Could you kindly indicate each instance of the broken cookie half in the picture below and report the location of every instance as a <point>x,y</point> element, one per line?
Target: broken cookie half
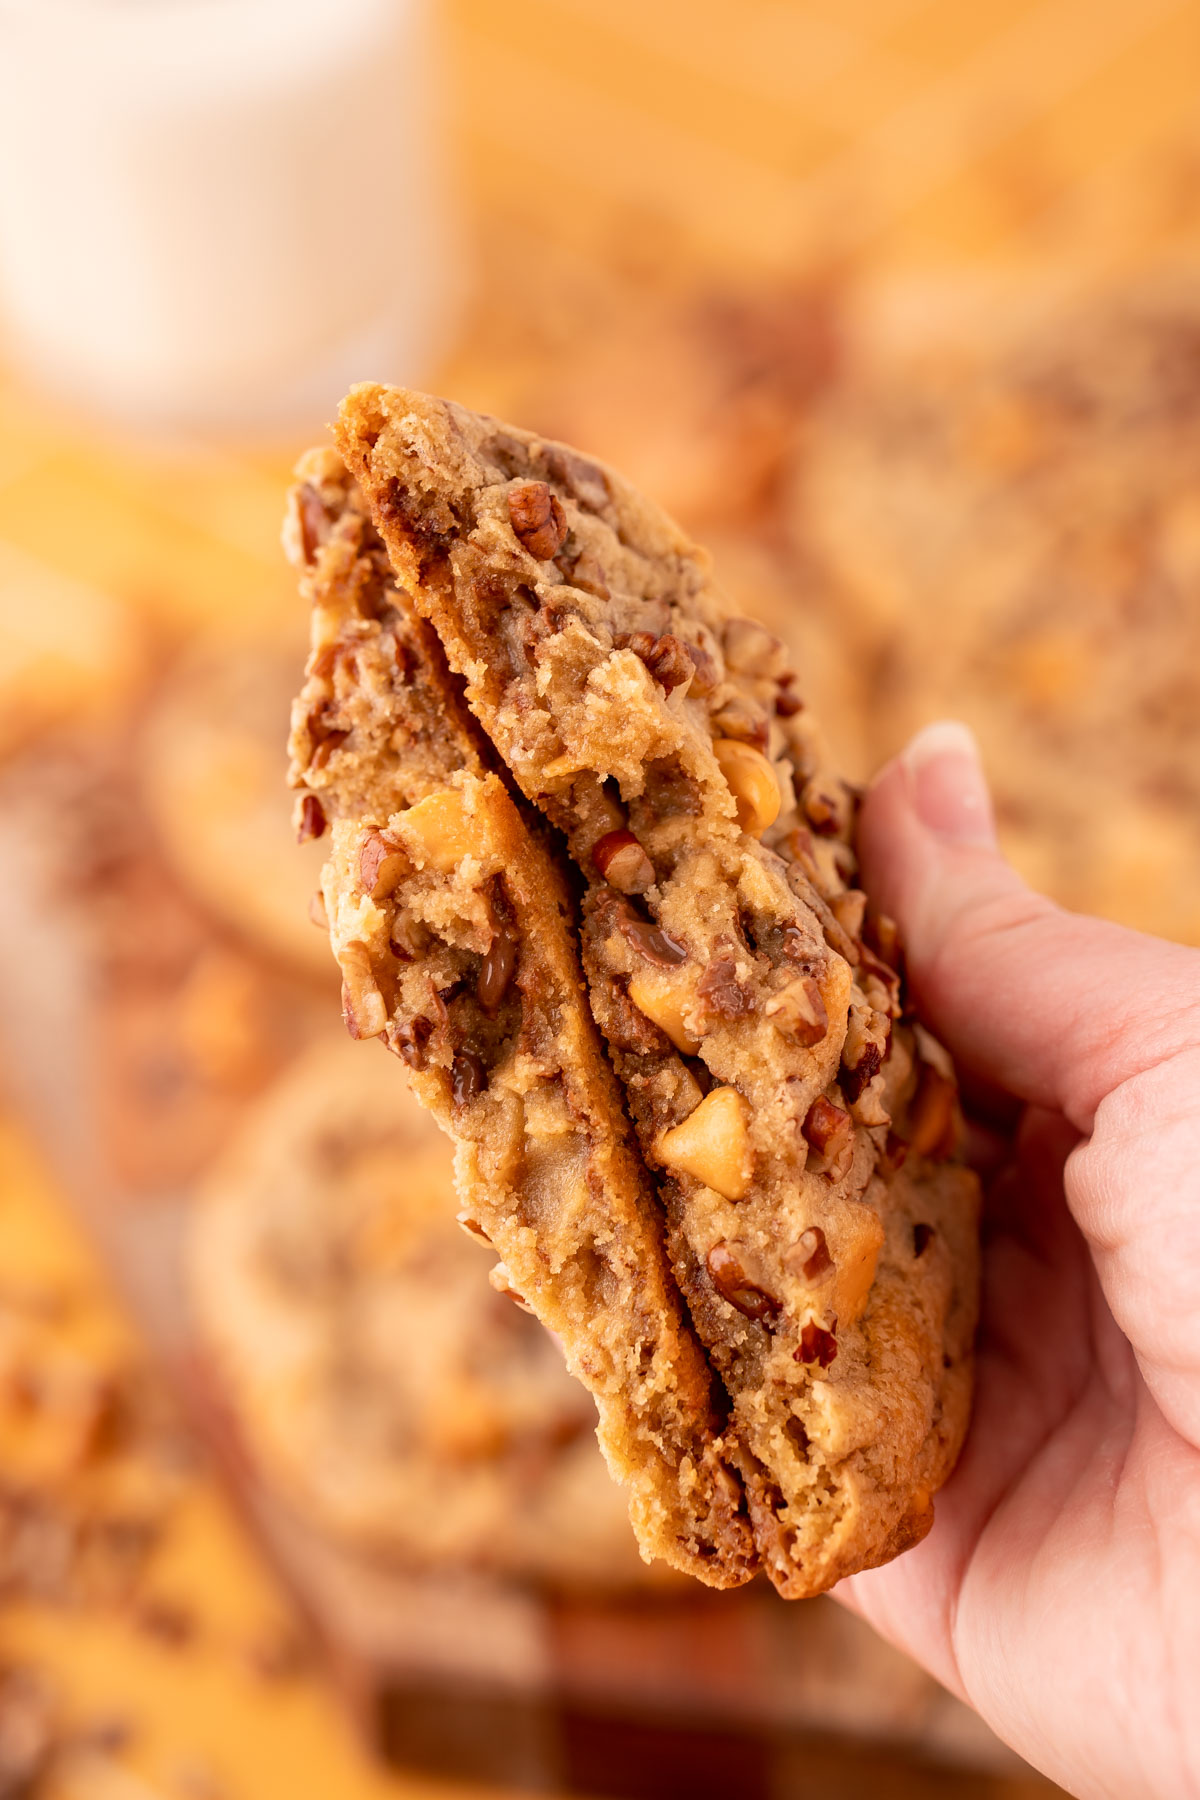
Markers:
<point>798,1129</point>
<point>450,922</point>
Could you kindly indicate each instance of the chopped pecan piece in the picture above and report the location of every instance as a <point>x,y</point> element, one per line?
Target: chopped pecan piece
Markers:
<point>409,1038</point>
<point>832,1134</point>
<point>849,910</point>
<point>722,992</point>
<point>891,1157</point>
<point>314,521</point>
<point>733,1284</point>
<point>798,1011</point>
<point>707,675</point>
<point>623,863</point>
<point>744,720</point>
<point>809,1255</point>
<point>667,657</point>
<point>538,519</point>
<point>326,734</point>
<point>882,935</point>
<point>826,806</point>
<point>750,649</point>
<point>584,479</point>
<point>500,1279</point>
<point>381,864</point>
<point>586,572</point>
<point>868,1034</point>
<point>816,1344</point>
<point>310,819</point>
<point>362,1003</point>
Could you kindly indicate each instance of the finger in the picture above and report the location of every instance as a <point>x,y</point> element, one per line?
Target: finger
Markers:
<point>1031,1366</point>
<point>1055,1008</point>
<point>1076,1015</point>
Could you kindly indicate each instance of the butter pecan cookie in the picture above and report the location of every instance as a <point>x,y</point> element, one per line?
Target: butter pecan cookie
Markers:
<point>1004,511</point>
<point>208,759</point>
<point>450,922</point>
<point>383,1389</point>
<point>801,1129</point>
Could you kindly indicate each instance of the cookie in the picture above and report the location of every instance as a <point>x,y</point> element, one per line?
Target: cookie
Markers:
<point>748,1000</point>
<point>166,1025</point>
<point>451,925</point>
<point>385,1390</point>
<point>209,765</point>
<point>1006,516</point>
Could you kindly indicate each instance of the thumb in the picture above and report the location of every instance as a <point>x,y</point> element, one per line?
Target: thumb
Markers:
<point>1072,1014</point>
<point>1053,1007</point>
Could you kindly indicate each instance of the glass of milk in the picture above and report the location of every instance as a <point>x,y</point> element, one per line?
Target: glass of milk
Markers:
<point>217,214</point>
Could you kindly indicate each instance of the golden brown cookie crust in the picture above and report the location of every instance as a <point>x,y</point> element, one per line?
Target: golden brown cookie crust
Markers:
<point>751,1012</point>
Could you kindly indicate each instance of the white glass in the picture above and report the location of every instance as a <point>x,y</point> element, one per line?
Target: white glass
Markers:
<point>220,213</point>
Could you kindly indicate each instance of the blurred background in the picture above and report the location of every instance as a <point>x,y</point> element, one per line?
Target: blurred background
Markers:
<point>895,304</point>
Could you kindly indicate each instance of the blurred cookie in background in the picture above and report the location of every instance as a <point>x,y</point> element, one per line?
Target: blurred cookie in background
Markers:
<point>213,761</point>
<point>1005,507</point>
<point>378,1384</point>
<point>69,650</point>
<point>152,1024</point>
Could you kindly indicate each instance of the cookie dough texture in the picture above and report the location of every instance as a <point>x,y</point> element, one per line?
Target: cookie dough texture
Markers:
<point>799,1130</point>
<point>386,1391</point>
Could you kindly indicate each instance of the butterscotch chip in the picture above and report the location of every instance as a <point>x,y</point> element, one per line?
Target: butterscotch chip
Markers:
<point>451,925</point>
<point>741,959</point>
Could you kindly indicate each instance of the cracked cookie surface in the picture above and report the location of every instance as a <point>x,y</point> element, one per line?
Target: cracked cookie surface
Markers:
<point>801,1128</point>
<point>451,925</point>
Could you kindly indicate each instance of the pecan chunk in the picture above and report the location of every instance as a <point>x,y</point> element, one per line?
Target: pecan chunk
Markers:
<point>310,819</point>
<point>623,863</point>
<point>538,519</point>
<point>381,864</point>
<point>667,657</point>
<point>314,520</point>
<point>830,1131</point>
<point>798,1011</point>
<point>809,1255</point>
<point>722,992</point>
<point>733,1284</point>
<point>409,1038</point>
<point>817,1345</point>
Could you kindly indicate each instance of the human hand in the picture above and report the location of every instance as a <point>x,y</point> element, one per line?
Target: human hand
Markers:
<point>1059,1590</point>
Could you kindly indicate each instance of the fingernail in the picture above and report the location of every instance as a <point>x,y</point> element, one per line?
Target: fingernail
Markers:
<point>949,790</point>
